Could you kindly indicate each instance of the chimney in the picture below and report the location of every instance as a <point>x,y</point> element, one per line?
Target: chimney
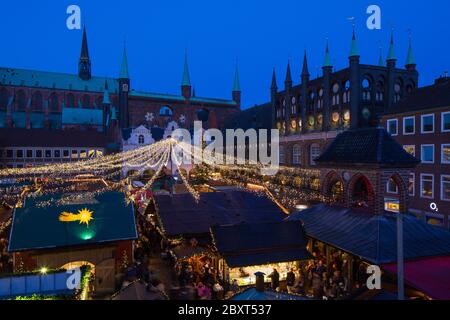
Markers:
<point>260,285</point>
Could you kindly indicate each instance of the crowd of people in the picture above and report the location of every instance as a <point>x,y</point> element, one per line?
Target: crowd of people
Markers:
<point>204,281</point>
<point>315,279</point>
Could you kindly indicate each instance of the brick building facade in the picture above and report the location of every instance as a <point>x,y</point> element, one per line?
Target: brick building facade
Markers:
<point>55,102</point>
<point>421,124</point>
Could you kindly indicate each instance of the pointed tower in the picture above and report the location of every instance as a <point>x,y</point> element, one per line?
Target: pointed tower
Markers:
<point>124,89</point>
<point>106,104</point>
<point>355,82</point>
<point>327,70</point>
<point>84,65</point>
<point>273,97</point>
<point>124,65</point>
<point>305,71</point>
<point>410,60</point>
<point>327,61</point>
<point>304,92</point>
<point>391,74</point>
<point>236,94</point>
<point>391,54</point>
<point>380,58</point>
<point>274,86</point>
<point>186,82</point>
<point>288,81</point>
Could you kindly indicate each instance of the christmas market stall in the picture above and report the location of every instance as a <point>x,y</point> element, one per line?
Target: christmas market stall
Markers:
<point>185,223</point>
<point>246,249</point>
<point>70,230</point>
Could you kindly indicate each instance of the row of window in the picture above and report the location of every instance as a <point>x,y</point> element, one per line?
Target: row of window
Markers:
<point>50,153</point>
<point>314,152</point>
<point>427,124</point>
<point>37,101</point>
<point>427,153</point>
<point>426,186</point>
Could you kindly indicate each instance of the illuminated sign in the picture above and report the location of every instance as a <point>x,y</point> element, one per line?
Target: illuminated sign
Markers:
<point>83,216</point>
<point>392,206</point>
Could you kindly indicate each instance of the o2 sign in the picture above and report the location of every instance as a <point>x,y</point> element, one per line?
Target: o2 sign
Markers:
<point>374,20</point>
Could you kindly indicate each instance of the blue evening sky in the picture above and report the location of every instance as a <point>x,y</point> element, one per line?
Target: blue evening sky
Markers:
<point>263,34</point>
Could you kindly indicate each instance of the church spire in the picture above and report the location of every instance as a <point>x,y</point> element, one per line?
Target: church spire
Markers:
<point>327,61</point>
<point>106,99</point>
<point>84,65</point>
<point>186,82</point>
<point>237,84</point>
<point>288,81</point>
<point>380,58</point>
<point>274,85</point>
<point>410,60</point>
<point>354,52</point>
<point>186,78</point>
<point>305,71</point>
<point>391,53</point>
<point>124,66</point>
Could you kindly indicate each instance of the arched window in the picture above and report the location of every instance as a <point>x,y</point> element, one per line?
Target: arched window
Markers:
<point>54,102</point>
<point>37,101</point>
<point>86,101</point>
<point>166,111</point>
<point>398,91</point>
<point>314,152</point>
<point>380,92</point>
<point>70,100</point>
<point>346,95</point>
<point>21,100</point>
<point>320,100</point>
<point>335,97</point>
<point>367,88</point>
<point>4,97</point>
<point>141,139</point>
<point>293,105</point>
<point>297,155</point>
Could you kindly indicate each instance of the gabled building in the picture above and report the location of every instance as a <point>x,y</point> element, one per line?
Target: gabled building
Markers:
<point>311,113</point>
<point>56,102</point>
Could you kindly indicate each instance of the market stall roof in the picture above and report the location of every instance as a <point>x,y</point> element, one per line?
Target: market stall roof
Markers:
<point>373,237</point>
<point>430,276</point>
<point>38,226</point>
<point>254,244</point>
<point>180,214</point>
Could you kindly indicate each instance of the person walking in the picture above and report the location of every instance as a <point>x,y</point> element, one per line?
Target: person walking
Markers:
<point>275,277</point>
<point>290,281</point>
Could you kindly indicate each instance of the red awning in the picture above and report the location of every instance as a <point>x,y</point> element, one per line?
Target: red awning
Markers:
<point>430,276</point>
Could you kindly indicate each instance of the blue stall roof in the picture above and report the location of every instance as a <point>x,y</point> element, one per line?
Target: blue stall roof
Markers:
<point>243,245</point>
<point>373,237</point>
<point>39,227</point>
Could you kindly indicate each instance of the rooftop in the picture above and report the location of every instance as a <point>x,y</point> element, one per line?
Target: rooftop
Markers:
<point>373,237</point>
<point>244,245</point>
<point>425,98</point>
<point>369,146</point>
<point>39,227</point>
<point>180,214</point>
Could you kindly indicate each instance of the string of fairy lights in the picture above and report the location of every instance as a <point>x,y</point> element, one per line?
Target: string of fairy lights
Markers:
<point>290,186</point>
